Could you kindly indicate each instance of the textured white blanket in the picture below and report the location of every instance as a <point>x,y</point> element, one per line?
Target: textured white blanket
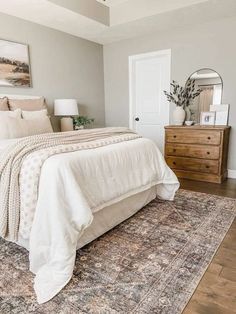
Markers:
<point>72,187</point>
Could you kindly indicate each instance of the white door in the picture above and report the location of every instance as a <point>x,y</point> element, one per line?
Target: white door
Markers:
<point>149,76</point>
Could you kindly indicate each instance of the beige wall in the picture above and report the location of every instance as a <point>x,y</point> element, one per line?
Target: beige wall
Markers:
<point>62,66</point>
<point>210,45</point>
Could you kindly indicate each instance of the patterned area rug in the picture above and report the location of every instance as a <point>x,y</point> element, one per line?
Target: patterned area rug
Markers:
<point>151,263</point>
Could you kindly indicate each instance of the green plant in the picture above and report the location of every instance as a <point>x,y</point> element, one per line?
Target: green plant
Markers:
<point>82,121</point>
<point>182,96</point>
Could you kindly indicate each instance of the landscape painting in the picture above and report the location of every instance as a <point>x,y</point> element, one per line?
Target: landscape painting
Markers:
<point>14,64</point>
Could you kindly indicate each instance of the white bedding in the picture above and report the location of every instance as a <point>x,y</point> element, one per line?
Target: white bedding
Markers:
<point>72,187</point>
<point>5,143</point>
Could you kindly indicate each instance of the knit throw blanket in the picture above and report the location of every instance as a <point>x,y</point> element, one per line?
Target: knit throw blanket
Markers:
<point>13,157</point>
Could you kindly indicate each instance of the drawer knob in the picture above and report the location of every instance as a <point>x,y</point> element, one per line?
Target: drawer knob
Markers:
<point>207,167</point>
<point>175,136</point>
<point>208,153</point>
<point>174,163</point>
<point>174,150</point>
<point>209,138</point>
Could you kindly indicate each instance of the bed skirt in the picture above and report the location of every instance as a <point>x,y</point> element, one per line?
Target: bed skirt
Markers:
<point>109,217</point>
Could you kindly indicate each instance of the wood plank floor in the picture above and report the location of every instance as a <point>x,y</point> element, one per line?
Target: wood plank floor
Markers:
<point>216,292</point>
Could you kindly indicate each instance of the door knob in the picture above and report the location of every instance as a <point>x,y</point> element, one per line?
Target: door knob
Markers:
<point>136,119</point>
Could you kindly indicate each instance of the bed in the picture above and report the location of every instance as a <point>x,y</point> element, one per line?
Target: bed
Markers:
<point>72,192</point>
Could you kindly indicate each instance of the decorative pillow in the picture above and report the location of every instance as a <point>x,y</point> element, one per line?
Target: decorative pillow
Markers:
<point>13,114</point>
<point>31,115</point>
<point>16,128</point>
<point>3,104</point>
<point>27,104</point>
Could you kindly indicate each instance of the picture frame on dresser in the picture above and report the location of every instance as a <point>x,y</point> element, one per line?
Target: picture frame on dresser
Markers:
<point>221,113</point>
<point>207,118</point>
<point>198,152</point>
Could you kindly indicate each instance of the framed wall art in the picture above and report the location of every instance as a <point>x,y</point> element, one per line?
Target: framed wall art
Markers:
<point>14,64</point>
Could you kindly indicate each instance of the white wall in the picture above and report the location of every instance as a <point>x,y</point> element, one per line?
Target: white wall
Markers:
<point>63,66</point>
<point>209,45</point>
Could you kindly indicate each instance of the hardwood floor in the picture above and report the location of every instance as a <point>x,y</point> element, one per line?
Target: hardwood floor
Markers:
<point>216,292</point>
<point>227,188</point>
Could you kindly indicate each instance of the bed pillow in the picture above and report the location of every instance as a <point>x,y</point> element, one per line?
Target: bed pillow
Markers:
<point>3,104</point>
<point>16,128</point>
<point>27,104</point>
<point>31,115</point>
<point>13,114</point>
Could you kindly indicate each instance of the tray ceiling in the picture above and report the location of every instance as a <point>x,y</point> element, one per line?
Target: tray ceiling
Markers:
<point>123,19</point>
<point>111,3</point>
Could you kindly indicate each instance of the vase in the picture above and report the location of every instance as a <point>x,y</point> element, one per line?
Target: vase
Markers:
<point>179,115</point>
<point>188,116</point>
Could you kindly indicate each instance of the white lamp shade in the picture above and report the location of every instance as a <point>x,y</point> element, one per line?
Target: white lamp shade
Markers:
<point>65,107</point>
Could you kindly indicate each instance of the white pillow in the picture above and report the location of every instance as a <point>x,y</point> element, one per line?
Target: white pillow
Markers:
<point>16,128</point>
<point>13,114</point>
<point>31,115</point>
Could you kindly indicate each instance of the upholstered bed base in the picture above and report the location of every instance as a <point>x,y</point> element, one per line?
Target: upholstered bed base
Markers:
<point>109,217</point>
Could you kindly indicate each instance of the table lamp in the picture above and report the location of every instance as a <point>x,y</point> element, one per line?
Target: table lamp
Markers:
<point>66,108</point>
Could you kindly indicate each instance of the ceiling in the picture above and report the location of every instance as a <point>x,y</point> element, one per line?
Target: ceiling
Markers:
<point>111,3</point>
<point>118,19</point>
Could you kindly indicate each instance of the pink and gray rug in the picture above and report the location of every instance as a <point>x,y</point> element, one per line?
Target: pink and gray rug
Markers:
<point>151,263</point>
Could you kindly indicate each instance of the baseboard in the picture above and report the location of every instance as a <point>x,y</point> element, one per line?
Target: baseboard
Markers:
<point>231,174</point>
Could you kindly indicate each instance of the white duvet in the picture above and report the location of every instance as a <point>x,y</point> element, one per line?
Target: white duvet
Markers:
<point>5,143</point>
<point>72,187</point>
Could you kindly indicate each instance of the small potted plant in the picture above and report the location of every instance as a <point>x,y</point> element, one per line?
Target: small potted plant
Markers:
<point>182,97</point>
<point>81,121</point>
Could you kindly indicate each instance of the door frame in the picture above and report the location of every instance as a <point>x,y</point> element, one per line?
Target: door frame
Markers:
<point>132,60</point>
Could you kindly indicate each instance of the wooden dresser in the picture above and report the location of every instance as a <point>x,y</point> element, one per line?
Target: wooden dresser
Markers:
<point>198,152</point>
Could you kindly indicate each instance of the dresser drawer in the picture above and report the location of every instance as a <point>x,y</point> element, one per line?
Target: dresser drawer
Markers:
<point>197,151</point>
<point>193,164</point>
<point>193,136</point>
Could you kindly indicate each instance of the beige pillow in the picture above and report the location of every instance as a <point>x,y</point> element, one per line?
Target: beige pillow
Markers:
<point>16,128</point>
<point>27,104</point>
<point>13,114</point>
<point>3,104</point>
<point>31,115</point>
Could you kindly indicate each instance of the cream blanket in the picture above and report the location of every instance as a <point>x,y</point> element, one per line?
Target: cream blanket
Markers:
<point>55,143</point>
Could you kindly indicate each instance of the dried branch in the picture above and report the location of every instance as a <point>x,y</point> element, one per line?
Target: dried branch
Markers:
<point>182,96</point>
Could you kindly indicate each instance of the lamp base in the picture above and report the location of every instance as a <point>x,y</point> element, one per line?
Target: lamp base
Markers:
<point>66,124</point>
